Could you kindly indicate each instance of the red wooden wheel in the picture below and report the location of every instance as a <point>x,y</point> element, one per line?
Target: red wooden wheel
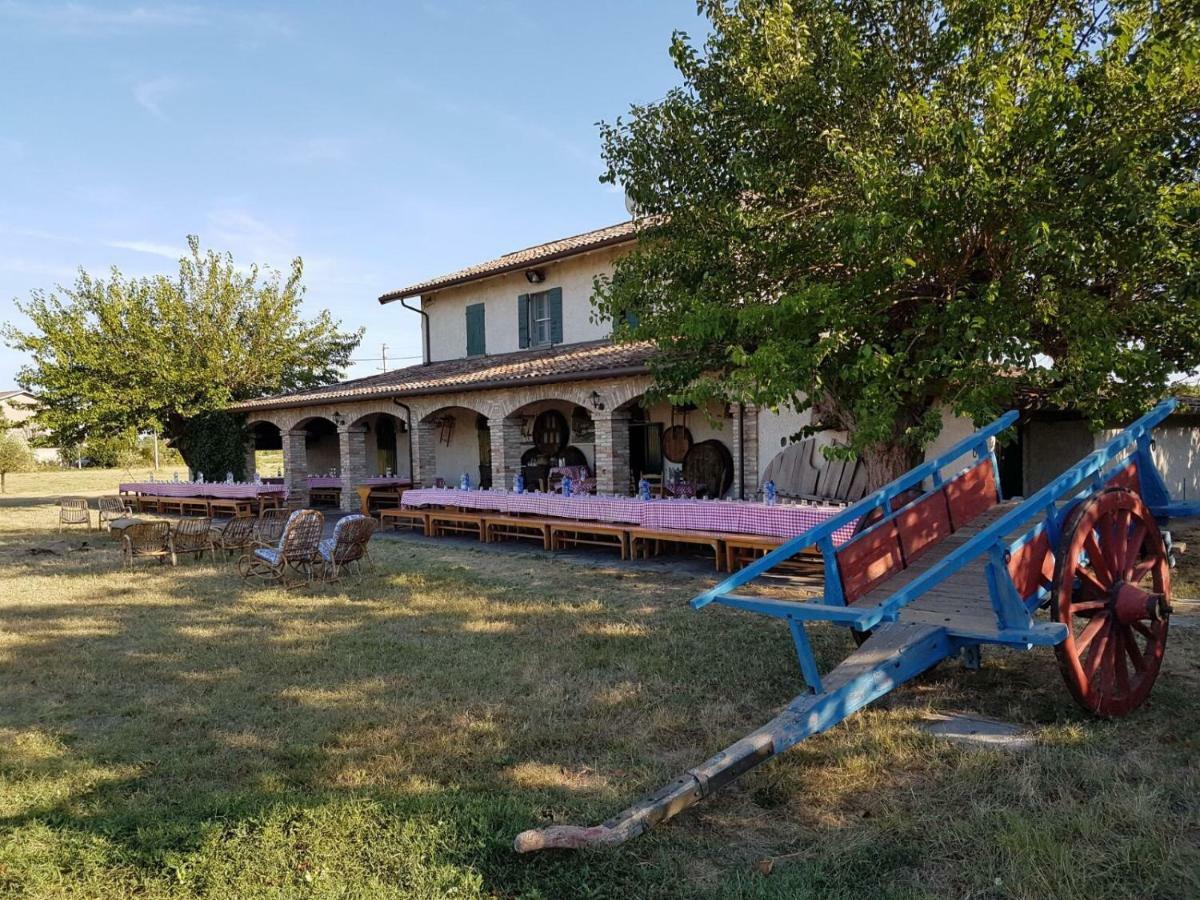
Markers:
<point>1112,589</point>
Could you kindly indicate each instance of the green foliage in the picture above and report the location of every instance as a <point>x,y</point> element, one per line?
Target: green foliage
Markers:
<point>150,353</point>
<point>15,455</point>
<point>870,209</point>
<point>214,443</point>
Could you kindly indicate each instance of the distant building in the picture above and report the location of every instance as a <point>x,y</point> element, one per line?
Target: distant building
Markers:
<point>19,407</point>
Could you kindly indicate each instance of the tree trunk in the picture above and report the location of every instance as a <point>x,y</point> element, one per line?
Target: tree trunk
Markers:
<point>887,462</point>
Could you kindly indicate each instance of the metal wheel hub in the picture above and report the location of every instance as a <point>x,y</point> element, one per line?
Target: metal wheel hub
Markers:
<point>1129,603</point>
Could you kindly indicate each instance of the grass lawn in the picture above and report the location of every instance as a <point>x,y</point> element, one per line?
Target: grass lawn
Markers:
<point>176,733</point>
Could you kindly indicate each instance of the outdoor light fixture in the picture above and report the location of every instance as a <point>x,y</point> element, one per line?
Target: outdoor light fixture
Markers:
<point>535,276</point>
<point>597,401</point>
<point>338,419</point>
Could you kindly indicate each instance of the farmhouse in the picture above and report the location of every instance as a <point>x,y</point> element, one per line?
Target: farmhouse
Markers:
<point>518,376</point>
<point>17,408</point>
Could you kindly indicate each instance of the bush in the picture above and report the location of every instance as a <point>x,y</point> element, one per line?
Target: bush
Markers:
<point>15,455</point>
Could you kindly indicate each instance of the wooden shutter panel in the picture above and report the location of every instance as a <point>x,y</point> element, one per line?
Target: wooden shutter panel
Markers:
<point>556,323</point>
<point>476,344</point>
<point>523,321</point>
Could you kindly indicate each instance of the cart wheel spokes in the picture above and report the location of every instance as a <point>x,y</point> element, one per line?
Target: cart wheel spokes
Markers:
<point>1112,590</point>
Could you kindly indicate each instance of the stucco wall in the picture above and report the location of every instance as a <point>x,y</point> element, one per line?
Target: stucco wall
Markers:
<point>698,424</point>
<point>462,453</point>
<point>447,308</point>
<point>1176,452</point>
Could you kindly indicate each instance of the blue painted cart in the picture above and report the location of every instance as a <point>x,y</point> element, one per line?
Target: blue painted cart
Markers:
<point>940,563</point>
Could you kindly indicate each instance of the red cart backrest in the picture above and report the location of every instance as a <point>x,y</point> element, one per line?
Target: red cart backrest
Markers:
<point>875,555</point>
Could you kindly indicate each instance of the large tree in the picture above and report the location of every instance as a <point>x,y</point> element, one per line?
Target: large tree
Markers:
<point>872,209</point>
<point>110,355</point>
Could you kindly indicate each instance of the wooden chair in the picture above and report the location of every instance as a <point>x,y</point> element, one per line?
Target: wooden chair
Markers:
<point>113,508</point>
<point>239,533</point>
<point>147,540</point>
<point>296,551</point>
<point>74,511</point>
<point>269,527</point>
<point>194,536</point>
<point>347,546</point>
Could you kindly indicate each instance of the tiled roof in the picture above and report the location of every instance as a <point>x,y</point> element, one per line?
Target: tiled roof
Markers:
<point>563,363</point>
<point>4,395</point>
<point>522,259</point>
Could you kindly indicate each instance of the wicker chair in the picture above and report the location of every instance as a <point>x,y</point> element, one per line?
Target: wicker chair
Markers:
<point>74,511</point>
<point>269,527</point>
<point>347,546</point>
<point>112,508</point>
<point>194,536</point>
<point>296,552</point>
<point>147,540</point>
<point>236,534</point>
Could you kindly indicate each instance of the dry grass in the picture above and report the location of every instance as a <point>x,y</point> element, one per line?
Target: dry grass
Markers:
<point>175,733</point>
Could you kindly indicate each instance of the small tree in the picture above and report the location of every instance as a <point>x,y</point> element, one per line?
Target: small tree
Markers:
<point>140,354</point>
<point>15,455</point>
<point>872,210</point>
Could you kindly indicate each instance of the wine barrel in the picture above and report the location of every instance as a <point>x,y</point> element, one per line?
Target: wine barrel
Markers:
<point>676,442</point>
<point>709,466</point>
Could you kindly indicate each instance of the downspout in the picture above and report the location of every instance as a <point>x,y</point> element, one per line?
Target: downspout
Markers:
<point>424,329</point>
<point>412,474</point>
<point>741,451</point>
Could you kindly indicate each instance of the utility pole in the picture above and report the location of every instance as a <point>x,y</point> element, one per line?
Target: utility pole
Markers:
<point>156,450</point>
<point>383,354</point>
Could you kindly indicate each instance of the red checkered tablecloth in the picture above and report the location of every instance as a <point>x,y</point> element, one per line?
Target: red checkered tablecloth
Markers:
<point>625,510</point>
<point>739,518</point>
<point>239,491</point>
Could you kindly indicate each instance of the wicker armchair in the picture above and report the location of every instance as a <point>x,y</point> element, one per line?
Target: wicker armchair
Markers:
<point>296,552</point>
<point>237,533</point>
<point>74,511</point>
<point>194,536</point>
<point>147,540</point>
<point>347,546</point>
<point>112,508</point>
<point>269,527</point>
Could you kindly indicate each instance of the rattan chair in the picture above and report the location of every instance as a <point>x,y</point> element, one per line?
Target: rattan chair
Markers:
<point>194,536</point>
<point>236,534</point>
<point>74,511</point>
<point>296,552</point>
<point>147,540</point>
<point>269,527</point>
<point>347,547</point>
<point>112,508</point>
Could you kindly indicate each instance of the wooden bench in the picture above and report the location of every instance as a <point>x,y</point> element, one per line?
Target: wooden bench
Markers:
<point>170,504</point>
<point>592,534</point>
<point>193,506</point>
<point>231,507</point>
<point>145,503</point>
<point>497,527</point>
<point>449,521</point>
<point>404,518</point>
<point>273,500</point>
<point>331,496</point>
<point>741,549</point>
<point>651,540</point>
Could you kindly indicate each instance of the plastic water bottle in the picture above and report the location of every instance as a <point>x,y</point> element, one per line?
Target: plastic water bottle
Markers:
<point>464,483</point>
<point>519,483</point>
<point>567,486</point>
<point>769,492</point>
<point>229,478</point>
<point>644,489</point>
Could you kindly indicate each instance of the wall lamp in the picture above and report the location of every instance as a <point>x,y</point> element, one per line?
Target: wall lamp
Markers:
<point>338,419</point>
<point>535,276</point>
<point>597,401</point>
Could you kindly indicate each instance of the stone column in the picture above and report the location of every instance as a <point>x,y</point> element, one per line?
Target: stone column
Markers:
<point>424,437</point>
<point>612,452</point>
<point>352,449</point>
<point>251,465</point>
<point>295,465</point>
<point>506,452</point>
<point>747,444</point>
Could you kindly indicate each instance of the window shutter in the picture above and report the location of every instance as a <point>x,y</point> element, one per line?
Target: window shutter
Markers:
<point>556,323</point>
<point>476,345</point>
<point>523,321</point>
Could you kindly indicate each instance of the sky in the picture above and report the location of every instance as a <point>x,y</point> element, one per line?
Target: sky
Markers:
<point>384,143</point>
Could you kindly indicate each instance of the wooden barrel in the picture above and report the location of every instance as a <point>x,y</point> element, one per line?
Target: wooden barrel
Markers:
<point>676,442</point>
<point>709,466</point>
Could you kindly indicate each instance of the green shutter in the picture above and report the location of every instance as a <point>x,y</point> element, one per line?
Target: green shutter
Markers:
<point>556,336</point>
<point>523,321</point>
<point>476,345</point>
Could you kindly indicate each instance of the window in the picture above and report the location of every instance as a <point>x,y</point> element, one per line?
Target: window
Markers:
<point>476,342</point>
<point>539,318</point>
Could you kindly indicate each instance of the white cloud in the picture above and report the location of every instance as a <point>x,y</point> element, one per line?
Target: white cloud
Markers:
<point>89,19</point>
<point>150,95</point>
<point>164,250</point>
